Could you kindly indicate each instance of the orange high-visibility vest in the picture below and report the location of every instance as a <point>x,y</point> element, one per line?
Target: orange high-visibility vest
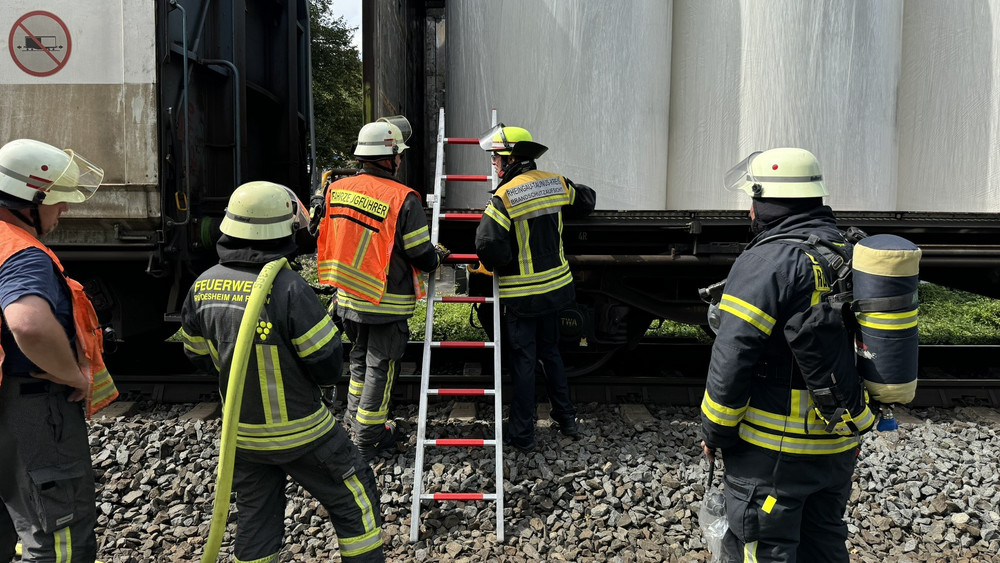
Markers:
<point>89,338</point>
<point>357,234</point>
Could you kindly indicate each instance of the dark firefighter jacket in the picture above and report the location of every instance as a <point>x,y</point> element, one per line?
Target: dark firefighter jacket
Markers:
<point>296,347</point>
<point>520,238</point>
<point>754,393</point>
<point>407,247</point>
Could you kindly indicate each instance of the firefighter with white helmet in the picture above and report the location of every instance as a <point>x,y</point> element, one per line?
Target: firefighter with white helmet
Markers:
<point>373,242</point>
<point>53,374</point>
<point>286,427</point>
<point>534,278</point>
<point>788,473</point>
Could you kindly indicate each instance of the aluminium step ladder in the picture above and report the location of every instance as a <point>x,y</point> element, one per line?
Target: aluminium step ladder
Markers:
<point>425,390</point>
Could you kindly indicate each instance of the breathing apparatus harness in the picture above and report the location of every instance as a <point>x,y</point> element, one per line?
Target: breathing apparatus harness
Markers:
<point>831,401</point>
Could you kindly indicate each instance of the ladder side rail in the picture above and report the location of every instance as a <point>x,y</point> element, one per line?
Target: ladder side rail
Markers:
<point>439,188</point>
<point>497,409</point>
<point>425,363</point>
<point>497,385</point>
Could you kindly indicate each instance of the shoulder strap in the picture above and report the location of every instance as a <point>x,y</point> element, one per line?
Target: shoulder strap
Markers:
<point>833,259</point>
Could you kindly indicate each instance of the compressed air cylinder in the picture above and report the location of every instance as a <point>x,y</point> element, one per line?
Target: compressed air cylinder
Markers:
<point>886,269</point>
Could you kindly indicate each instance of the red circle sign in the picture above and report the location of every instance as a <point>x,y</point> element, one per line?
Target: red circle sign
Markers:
<point>40,43</point>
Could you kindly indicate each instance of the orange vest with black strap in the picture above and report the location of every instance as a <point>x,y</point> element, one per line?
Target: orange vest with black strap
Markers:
<point>89,338</point>
<point>357,235</point>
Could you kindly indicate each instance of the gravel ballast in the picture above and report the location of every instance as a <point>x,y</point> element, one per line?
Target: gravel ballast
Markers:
<point>625,492</point>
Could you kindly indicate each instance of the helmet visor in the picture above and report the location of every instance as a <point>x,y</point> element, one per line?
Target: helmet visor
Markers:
<point>299,211</point>
<point>739,175</point>
<point>400,121</point>
<point>77,183</point>
<point>487,143</point>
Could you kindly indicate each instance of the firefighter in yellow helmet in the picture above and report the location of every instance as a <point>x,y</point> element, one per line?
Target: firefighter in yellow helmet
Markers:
<point>788,473</point>
<point>286,426</point>
<point>520,239</point>
<point>53,371</point>
<point>373,242</point>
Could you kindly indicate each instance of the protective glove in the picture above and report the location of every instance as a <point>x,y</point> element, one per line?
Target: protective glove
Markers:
<point>479,268</point>
<point>328,394</point>
<point>317,207</point>
<point>442,252</point>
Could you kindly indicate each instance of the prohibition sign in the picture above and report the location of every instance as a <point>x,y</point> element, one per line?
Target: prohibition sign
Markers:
<point>40,43</point>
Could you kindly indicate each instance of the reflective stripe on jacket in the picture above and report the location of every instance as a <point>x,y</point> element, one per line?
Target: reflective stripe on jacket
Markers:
<point>754,392</point>
<point>89,337</point>
<point>296,348</point>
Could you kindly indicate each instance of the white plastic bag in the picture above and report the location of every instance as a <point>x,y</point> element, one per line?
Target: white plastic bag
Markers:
<point>712,518</point>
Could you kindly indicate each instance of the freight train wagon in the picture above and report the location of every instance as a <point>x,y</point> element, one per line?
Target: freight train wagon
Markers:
<point>179,101</point>
<point>651,101</point>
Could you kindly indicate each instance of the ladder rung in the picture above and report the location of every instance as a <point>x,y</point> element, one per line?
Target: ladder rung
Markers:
<point>469,442</point>
<point>467,178</point>
<point>463,299</point>
<point>459,496</point>
<point>461,392</point>
<point>462,258</point>
<point>461,140</point>
<point>461,344</point>
<point>462,216</point>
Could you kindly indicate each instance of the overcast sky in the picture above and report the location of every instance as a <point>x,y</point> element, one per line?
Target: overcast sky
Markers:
<point>350,10</point>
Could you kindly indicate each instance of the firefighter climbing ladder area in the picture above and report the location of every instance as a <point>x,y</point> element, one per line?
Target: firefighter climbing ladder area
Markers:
<point>429,344</point>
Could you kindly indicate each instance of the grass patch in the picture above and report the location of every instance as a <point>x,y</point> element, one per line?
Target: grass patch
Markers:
<point>949,316</point>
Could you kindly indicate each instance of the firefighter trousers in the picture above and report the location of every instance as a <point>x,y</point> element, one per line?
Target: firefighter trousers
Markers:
<point>8,535</point>
<point>48,480</point>
<point>332,470</point>
<point>374,365</point>
<point>531,340</point>
<point>786,508</point>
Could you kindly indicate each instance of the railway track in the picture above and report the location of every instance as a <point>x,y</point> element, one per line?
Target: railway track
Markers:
<point>656,372</point>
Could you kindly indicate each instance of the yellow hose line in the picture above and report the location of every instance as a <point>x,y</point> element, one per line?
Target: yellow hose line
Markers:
<point>231,407</point>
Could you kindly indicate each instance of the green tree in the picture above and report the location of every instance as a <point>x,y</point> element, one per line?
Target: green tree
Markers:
<point>336,80</point>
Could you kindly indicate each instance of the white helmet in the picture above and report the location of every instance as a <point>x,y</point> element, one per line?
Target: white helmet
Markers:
<point>263,211</point>
<point>383,138</point>
<point>784,172</point>
<point>35,173</point>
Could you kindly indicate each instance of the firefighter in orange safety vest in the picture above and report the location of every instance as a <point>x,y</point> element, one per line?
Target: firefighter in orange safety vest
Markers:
<point>53,376</point>
<point>372,244</point>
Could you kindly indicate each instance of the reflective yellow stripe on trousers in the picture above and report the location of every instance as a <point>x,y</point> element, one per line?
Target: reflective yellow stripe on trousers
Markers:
<point>372,538</point>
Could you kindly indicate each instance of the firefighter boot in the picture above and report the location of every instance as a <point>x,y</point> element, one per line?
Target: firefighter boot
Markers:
<point>385,443</point>
<point>569,428</point>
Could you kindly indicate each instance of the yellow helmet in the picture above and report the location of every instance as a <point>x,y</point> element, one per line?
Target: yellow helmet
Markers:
<point>37,173</point>
<point>783,172</point>
<point>262,211</point>
<point>504,140</point>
